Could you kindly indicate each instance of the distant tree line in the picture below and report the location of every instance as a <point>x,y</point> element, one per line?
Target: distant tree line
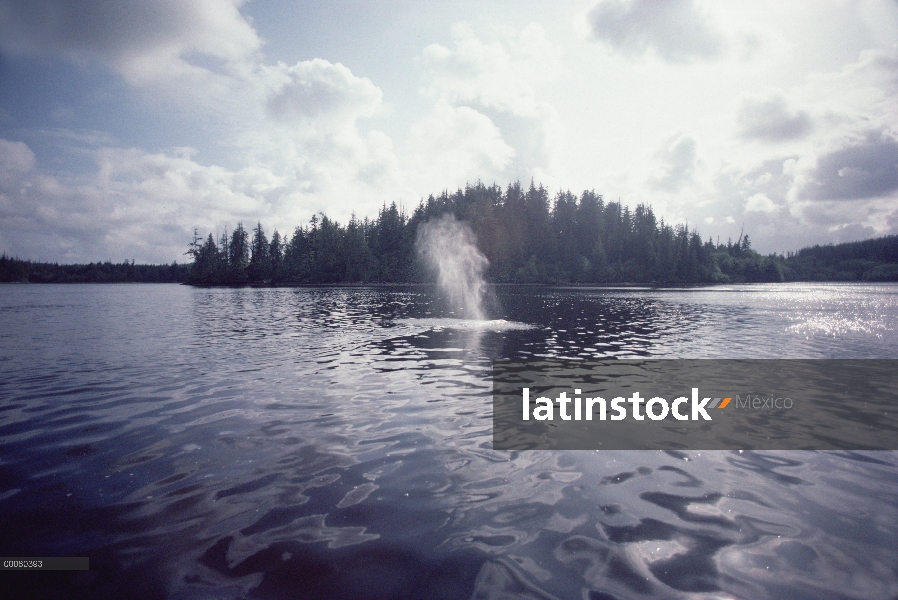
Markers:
<point>868,260</point>
<point>25,271</point>
<point>526,236</point>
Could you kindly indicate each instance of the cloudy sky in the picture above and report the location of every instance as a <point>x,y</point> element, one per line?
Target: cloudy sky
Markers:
<point>124,124</point>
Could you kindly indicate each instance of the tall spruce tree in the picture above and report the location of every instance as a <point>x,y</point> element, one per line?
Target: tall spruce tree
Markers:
<point>276,257</point>
<point>259,268</point>
<point>238,255</point>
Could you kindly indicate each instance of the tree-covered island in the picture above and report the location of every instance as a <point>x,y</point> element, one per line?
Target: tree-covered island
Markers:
<point>527,238</point>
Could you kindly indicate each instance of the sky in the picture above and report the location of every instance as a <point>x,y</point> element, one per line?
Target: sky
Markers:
<point>125,124</point>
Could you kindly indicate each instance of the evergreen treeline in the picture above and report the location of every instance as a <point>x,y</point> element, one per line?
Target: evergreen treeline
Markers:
<point>25,271</point>
<point>527,237</point>
<point>869,260</point>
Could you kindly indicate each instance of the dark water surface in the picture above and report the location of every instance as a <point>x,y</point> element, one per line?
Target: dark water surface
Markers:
<point>336,443</point>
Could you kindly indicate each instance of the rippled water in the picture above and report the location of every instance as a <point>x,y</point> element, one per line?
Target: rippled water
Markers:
<point>336,443</point>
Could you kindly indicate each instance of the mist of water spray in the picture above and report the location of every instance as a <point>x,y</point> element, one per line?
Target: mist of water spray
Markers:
<point>450,248</point>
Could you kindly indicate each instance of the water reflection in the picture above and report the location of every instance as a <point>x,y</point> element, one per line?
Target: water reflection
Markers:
<point>337,443</point>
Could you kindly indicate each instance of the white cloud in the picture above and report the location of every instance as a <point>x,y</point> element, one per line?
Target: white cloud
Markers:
<point>495,73</point>
<point>318,91</point>
<point>760,203</point>
<point>302,123</point>
<point>674,30</point>
<point>456,145</point>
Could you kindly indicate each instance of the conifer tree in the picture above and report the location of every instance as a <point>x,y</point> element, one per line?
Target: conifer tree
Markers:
<point>276,257</point>
<point>238,255</point>
<point>259,268</point>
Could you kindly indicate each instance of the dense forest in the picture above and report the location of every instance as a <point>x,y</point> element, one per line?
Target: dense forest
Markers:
<point>868,260</point>
<point>25,271</point>
<point>527,237</point>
